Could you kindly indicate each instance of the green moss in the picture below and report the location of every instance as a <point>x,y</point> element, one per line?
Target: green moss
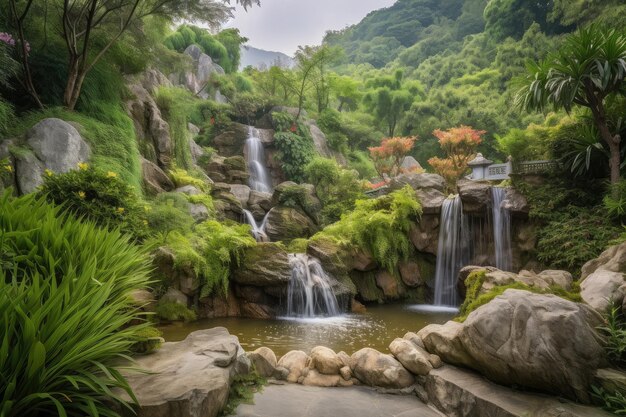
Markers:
<point>172,311</point>
<point>148,340</point>
<point>177,106</point>
<point>111,137</point>
<point>182,177</point>
<point>474,301</point>
<point>298,246</point>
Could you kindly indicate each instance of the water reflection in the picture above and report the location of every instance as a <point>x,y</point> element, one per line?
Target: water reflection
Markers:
<point>376,329</point>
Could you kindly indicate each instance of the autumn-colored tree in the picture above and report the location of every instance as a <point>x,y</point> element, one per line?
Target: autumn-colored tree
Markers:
<point>389,155</point>
<point>459,144</point>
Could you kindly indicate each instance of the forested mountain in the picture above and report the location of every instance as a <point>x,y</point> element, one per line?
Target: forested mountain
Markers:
<point>464,54</point>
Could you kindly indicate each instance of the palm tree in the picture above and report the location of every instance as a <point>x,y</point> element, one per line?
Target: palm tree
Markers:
<point>588,69</point>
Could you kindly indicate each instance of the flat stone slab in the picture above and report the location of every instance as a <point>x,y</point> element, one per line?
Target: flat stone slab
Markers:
<point>460,393</point>
<point>303,401</point>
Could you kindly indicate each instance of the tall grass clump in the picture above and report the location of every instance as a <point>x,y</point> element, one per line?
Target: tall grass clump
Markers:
<point>64,311</point>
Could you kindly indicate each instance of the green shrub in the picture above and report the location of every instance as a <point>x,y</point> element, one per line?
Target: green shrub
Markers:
<point>298,245</point>
<point>379,226</point>
<point>181,177</point>
<point>615,200</point>
<point>294,144</point>
<point>210,251</point>
<point>573,226</point>
<point>612,402</point>
<point>172,311</point>
<point>337,188</point>
<point>98,196</point>
<point>65,311</point>
<point>615,333</point>
<point>169,212</point>
<point>242,391</point>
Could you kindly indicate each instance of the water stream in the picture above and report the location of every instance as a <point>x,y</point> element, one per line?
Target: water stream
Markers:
<point>258,230</point>
<point>255,157</point>
<point>310,293</point>
<point>452,253</point>
<point>501,219</point>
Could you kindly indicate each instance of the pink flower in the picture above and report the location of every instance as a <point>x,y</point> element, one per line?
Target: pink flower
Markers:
<point>7,38</point>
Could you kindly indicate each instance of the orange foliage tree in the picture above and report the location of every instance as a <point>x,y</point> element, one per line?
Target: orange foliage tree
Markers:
<point>389,155</point>
<point>459,144</point>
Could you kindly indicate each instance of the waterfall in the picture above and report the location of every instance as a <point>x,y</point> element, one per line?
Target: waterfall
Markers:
<point>501,219</point>
<point>255,158</point>
<point>258,230</point>
<point>452,252</point>
<point>309,293</point>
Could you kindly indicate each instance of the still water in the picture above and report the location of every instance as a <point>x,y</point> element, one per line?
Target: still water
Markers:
<point>350,332</point>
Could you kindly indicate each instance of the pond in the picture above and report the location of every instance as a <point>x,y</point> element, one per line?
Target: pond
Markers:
<point>376,329</point>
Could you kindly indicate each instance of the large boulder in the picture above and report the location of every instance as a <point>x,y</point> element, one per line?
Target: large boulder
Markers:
<point>425,234</point>
<point>155,181</point>
<point>265,264</point>
<point>202,69</point>
<point>602,289</point>
<point>602,281</point>
<point>295,362</point>
<point>287,223</point>
<point>516,203</point>
<point>411,356</point>
<point>241,193</point>
<point>613,259</point>
<point>231,142</point>
<point>264,361</point>
<point>300,196</point>
<point>325,360</point>
<point>189,378</point>
<point>380,370</point>
<point>151,130</point>
<point>29,172</point>
<point>475,195</point>
<point>58,145</point>
<point>537,341</point>
<point>421,181</point>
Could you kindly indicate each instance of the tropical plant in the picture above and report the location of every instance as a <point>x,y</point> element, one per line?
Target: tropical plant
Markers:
<point>459,144</point>
<point>65,307</point>
<point>588,69</point>
<point>615,332</point>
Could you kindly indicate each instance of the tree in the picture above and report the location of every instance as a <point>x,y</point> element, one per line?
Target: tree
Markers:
<point>90,28</point>
<point>459,144</point>
<point>389,155</point>
<point>588,70</point>
<point>346,90</point>
<point>312,66</point>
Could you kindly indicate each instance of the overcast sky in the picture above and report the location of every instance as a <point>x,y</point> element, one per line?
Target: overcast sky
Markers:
<point>282,25</point>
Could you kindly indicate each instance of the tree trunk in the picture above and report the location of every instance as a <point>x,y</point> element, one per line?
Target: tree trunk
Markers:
<point>75,79</point>
<point>612,141</point>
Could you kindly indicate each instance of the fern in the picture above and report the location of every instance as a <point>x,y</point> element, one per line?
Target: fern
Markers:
<point>380,227</point>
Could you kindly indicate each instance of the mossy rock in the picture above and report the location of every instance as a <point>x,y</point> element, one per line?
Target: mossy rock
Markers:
<point>266,264</point>
<point>287,223</point>
<point>299,196</point>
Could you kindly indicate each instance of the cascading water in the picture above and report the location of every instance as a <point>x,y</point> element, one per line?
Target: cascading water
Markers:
<point>452,252</point>
<point>255,158</point>
<point>501,219</point>
<point>258,230</point>
<point>309,293</point>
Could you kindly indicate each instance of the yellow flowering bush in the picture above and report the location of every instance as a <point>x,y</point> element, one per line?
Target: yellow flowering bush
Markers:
<point>99,196</point>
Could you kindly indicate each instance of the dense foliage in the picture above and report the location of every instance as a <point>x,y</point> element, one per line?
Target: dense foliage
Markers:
<point>379,227</point>
<point>97,196</point>
<point>64,287</point>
